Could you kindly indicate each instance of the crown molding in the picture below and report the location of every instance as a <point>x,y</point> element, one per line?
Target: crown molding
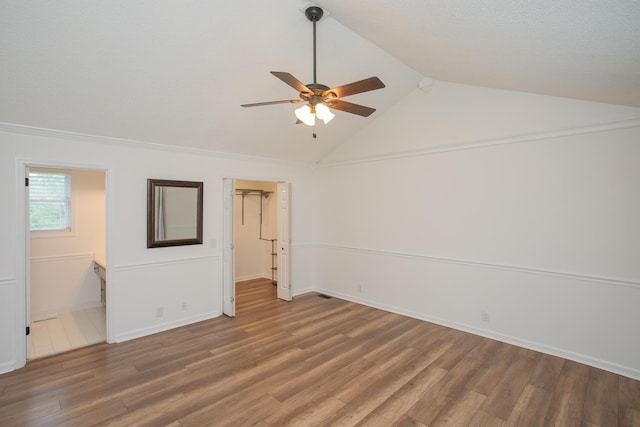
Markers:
<point>97,139</point>
<point>443,147</point>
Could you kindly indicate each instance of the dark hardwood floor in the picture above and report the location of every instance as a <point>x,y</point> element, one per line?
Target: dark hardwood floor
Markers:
<point>313,361</point>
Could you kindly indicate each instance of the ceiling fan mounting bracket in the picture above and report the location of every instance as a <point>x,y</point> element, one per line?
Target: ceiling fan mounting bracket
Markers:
<point>314,13</point>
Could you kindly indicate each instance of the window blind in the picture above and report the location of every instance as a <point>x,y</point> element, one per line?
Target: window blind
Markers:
<point>49,201</point>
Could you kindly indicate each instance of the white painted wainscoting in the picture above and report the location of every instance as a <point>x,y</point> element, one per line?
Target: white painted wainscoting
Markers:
<point>156,296</point>
<point>63,283</point>
<point>7,324</point>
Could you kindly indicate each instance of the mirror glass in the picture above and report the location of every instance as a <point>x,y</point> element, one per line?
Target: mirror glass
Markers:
<point>174,213</point>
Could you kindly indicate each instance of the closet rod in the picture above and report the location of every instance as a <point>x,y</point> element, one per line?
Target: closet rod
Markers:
<point>249,192</point>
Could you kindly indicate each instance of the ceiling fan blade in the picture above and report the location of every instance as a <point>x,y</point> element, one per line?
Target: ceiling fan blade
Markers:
<point>349,107</point>
<point>291,81</point>
<point>286,101</point>
<point>372,83</point>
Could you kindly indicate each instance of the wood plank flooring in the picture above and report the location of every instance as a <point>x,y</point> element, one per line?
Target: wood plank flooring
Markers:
<point>313,362</point>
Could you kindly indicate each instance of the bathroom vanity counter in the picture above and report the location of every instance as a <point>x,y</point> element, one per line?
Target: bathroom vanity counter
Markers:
<point>100,267</point>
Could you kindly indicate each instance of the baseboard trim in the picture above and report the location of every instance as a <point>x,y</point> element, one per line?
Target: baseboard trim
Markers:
<point>143,332</point>
<point>8,367</point>
<point>542,348</point>
<point>252,277</point>
<point>298,292</point>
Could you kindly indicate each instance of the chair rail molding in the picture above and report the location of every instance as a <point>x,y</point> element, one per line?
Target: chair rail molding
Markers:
<point>495,266</point>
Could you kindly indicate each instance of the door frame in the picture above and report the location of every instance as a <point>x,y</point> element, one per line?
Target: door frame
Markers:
<point>228,242</point>
<point>284,240</point>
<point>228,247</point>
<point>23,285</point>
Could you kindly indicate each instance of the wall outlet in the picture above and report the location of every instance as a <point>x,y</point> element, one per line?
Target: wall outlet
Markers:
<point>159,311</point>
<point>359,287</point>
<point>485,316</point>
<point>184,306</point>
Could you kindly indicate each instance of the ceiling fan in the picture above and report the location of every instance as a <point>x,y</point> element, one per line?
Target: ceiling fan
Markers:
<point>319,99</point>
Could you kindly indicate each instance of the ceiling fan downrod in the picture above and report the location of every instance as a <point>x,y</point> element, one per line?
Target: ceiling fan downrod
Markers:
<point>314,13</point>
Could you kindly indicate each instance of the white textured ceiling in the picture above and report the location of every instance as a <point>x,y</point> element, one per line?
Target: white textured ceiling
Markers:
<point>175,72</point>
<point>583,49</point>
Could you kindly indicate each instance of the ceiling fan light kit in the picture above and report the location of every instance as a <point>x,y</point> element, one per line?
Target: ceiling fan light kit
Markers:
<point>307,114</point>
<point>324,113</point>
<point>319,98</point>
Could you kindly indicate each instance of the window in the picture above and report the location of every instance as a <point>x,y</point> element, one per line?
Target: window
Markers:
<point>49,200</point>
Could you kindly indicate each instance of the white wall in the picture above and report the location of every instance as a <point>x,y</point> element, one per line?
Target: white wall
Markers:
<point>253,256</point>
<point>456,202</point>
<point>140,280</point>
<point>520,206</point>
<point>62,275</point>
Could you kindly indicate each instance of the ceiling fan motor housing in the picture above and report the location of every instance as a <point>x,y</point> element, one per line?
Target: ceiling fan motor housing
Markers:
<point>321,93</point>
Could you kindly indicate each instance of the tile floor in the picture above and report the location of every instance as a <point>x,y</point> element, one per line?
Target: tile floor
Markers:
<point>66,331</point>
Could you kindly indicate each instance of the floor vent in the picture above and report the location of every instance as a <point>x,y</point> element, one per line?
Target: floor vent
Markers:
<point>325,296</point>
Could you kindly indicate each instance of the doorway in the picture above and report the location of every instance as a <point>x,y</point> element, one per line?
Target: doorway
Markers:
<point>66,253</point>
<point>255,237</point>
<point>255,231</point>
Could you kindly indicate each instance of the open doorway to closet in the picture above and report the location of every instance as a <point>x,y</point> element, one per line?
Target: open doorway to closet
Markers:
<point>256,231</point>
<point>255,239</point>
<point>66,241</point>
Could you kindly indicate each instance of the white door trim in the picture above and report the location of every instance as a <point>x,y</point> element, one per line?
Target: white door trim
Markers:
<point>284,241</point>
<point>228,280</point>
<point>228,247</point>
<point>23,264</point>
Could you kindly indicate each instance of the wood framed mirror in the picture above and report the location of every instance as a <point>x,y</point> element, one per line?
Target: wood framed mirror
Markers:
<point>174,213</point>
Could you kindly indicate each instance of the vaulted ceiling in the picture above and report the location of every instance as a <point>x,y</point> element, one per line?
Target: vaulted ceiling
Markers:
<point>175,73</point>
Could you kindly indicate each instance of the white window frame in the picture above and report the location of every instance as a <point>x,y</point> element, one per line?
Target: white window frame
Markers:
<point>64,232</point>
